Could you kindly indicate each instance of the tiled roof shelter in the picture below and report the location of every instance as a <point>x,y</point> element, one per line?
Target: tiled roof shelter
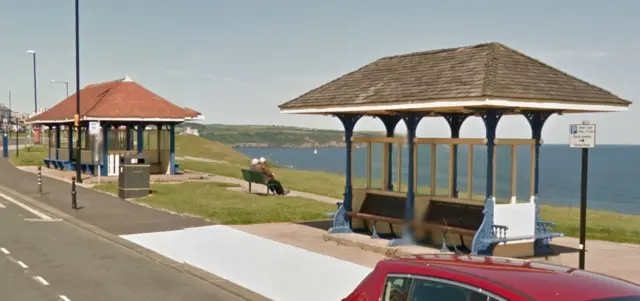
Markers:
<point>486,80</point>
<point>120,106</point>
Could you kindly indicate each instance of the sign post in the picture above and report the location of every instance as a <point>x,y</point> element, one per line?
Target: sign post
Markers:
<point>583,136</point>
<point>94,131</point>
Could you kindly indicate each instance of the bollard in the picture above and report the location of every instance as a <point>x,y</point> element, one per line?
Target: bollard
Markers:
<point>39,179</point>
<point>74,204</point>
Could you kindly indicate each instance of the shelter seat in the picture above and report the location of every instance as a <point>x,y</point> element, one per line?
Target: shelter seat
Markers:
<point>47,162</point>
<point>257,177</point>
<point>380,208</point>
<point>451,216</point>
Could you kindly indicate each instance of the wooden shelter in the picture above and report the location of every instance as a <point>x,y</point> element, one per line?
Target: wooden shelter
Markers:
<point>124,109</point>
<point>487,80</point>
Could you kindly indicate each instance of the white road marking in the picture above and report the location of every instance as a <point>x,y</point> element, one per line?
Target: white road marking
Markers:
<point>2,205</point>
<point>25,207</point>
<point>5,251</point>
<point>21,264</point>
<point>41,280</point>
<point>42,220</point>
<point>63,298</point>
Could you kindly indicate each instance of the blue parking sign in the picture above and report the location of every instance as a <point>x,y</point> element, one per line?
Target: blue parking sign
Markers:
<point>574,129</point>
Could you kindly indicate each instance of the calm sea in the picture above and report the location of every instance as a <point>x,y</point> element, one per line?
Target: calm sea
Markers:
<point>614,171</point>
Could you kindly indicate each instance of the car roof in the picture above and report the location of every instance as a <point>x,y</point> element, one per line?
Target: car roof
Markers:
<point>537,280</point>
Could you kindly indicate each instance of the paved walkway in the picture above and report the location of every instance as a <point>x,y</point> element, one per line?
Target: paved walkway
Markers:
<point>104,211</point>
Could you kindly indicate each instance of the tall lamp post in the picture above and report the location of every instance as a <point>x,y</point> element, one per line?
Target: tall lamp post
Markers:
<point>77,117</point>
<point>66,84</point>
<point>35,89</point>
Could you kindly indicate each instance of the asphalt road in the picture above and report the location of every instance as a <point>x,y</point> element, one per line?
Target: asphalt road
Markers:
<point>42,258</point>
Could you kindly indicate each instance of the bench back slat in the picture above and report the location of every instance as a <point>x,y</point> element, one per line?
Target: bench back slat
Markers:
<point>383,205</point>
<point>464,216</point>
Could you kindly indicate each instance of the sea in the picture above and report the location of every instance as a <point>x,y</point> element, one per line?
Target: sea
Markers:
<point>613,171</point>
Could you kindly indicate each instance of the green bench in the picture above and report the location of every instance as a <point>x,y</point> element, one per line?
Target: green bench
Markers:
<point>257,177</point>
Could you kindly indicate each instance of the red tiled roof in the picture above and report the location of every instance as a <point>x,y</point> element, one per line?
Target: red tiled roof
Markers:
<point>117,99</point>
<point>192,112</point>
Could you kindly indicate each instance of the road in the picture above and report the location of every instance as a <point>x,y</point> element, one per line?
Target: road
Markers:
<point>44,258</point>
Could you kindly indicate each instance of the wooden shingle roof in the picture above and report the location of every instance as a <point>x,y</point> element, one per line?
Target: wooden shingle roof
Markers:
<point>117,100</point>
<point>488,74</point>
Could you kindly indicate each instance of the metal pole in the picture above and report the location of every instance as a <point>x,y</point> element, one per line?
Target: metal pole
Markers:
<point>35,84</point>
<point>583,205</point>
<point>66,84</point>
<point>77,117</point>
<point>10,106</point>
<point>74,203</point>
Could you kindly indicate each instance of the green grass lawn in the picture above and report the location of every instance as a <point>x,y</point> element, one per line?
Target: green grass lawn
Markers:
<point>32,156</point>
<point>601,225</point>
<point>221,205</point>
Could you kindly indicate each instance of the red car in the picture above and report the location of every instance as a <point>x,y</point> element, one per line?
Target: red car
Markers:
<point>443,277</point>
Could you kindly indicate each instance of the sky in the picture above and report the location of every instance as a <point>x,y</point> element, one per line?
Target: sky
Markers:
<point>236,61</point>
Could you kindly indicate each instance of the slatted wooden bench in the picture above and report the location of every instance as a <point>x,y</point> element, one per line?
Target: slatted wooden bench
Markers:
<point>380,208</point>
<point>252,176</point>
<point>453,217</point>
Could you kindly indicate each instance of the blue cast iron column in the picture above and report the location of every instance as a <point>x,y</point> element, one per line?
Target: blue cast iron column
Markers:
<point>70,143</point>
<point>341,222</point>
<point>390,122</point>
<point>140,136</point>
<point>536,121</point>
<point>172,148</point>
<point>57,140</point>
<point>455,122</point>
<point>127,134</point>
<point>105,150</point>
<point>411,120</point>
<point>491,118</point>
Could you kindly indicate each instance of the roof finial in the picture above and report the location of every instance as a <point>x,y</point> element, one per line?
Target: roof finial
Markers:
<point>127,79</point>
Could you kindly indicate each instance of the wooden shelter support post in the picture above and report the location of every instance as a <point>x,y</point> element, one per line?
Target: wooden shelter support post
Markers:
<point>411,120</point>
<point>390,122</point>
<point>455,122</point>
<point>341,222</point>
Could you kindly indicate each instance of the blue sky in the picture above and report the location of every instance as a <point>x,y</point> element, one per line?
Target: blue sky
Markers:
<point>235,61</point>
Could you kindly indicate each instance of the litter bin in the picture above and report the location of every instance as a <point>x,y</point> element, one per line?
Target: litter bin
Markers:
<point>134,180</point>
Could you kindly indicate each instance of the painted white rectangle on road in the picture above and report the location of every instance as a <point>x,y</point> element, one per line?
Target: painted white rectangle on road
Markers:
<point>275,270</point>
<point>582,135</point>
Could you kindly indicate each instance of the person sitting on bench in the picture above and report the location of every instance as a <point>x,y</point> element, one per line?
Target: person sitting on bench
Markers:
<point>255,165</point>
<point>271,178</point>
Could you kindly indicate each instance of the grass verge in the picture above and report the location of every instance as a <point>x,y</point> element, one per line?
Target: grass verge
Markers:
<point>29,157</point>
<point>221,205</point>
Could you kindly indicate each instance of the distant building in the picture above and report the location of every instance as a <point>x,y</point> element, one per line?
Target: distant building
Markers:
<point>190,131</point>
<point>5,114</point>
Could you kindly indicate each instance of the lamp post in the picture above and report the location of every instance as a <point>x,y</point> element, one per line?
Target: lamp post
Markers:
<point>77,117</point>
<point>66,84</point>
<point>35,90</point>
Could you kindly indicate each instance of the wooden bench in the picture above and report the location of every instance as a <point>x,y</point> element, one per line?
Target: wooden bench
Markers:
<point>453,217</point>
<point>380,208</point>
<point>252,176</point>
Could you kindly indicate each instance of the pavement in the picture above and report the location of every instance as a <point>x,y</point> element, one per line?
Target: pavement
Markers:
<point>83,253</point>
<point>50,259</point>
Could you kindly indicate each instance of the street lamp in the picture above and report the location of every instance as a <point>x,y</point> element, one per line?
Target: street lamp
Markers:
<point>66,84</point>
<point>77,117</point>
<point>35,94</point>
